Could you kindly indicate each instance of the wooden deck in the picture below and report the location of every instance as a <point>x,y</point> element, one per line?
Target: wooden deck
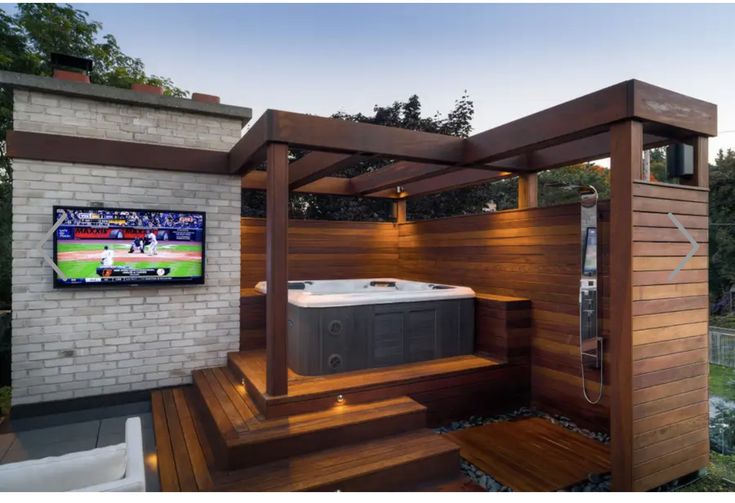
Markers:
<point>532,454</point>
<point>437,383</point>
<point>187,461</point>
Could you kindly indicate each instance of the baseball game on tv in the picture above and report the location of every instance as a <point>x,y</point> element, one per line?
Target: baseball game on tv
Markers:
<point>108,246</point>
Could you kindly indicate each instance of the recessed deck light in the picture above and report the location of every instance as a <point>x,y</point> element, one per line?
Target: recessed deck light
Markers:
<point>340,399</point>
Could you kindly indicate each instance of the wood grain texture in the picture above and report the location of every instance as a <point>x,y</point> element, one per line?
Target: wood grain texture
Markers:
<point>450,388</point>
<point>276,268</point>
<point>532,454</point>
<point>669,345</point>
<point>533,254</point>
<point>626,164</point>
<point>323,250</point>
<point>405,461</point>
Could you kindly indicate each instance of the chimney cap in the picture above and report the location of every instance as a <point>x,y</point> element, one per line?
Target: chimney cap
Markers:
<point>65,60</point>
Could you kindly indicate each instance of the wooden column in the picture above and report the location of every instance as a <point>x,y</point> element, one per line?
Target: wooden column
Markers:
<point>701,163</point>
<point>626,153</point>
<point>276,321</point>
<point>399,211</point>
<point>528,190</point>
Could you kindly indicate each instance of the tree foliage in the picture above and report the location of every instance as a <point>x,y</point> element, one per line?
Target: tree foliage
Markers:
<point>722,223</point>
<point>27,39</point>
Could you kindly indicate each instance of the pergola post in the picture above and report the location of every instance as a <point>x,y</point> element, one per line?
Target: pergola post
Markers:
<point>399,211</point>
<point>626,152</point>
<point>528,190</point>
<point>276,323</point>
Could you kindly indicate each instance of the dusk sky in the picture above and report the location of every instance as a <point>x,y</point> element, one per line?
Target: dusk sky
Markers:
<point>512,59</point>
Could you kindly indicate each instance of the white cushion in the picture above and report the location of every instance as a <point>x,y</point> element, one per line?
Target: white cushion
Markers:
<point>76,470</point>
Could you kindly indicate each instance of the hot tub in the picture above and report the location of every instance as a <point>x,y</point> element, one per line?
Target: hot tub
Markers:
<point>341,325</point>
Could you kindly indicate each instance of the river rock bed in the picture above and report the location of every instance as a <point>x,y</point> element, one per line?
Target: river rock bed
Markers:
<point>484,480</point>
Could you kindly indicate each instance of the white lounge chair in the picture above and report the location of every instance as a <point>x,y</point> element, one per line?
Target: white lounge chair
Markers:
<point>114,468</point>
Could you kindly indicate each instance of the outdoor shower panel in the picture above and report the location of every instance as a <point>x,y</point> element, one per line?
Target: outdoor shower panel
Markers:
<point>589,339</point>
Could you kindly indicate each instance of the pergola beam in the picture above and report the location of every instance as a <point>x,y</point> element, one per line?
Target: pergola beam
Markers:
<point>396,174</point>
<point>249,151</point>
<point>448,181</point>
<point>310,132</point>
<point>591,114</point>
<point>316,165</point>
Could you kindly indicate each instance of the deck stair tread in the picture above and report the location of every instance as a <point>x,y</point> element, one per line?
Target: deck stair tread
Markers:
<point>244,434</point>
<point>251,366</point>
<point>394,462</point>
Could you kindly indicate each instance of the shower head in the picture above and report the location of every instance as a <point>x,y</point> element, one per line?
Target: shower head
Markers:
<point>582,189</point>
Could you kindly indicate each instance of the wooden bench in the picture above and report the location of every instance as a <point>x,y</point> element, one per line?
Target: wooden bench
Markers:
<point>503,327</point>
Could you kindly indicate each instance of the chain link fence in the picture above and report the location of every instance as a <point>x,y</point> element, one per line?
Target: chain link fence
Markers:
<point>722,346</point>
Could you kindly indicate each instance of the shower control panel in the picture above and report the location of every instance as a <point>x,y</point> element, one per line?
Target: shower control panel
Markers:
<point>588,321</point>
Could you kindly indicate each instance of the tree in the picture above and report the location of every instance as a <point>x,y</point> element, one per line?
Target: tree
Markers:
<point>550,192</point>
<point>27,39</point>
<point>722,223</point>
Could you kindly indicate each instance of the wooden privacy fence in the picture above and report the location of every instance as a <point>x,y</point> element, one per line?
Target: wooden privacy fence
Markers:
<point>722,346</point>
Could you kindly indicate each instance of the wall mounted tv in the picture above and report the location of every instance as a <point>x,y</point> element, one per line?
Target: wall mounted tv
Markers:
<point>119,246</point>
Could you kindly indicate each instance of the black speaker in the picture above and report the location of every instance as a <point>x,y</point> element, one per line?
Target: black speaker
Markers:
<point>679,160</point>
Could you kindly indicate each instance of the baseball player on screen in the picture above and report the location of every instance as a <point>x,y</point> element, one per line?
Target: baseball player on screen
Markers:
<point>107,257</point>
<point>153,243</point>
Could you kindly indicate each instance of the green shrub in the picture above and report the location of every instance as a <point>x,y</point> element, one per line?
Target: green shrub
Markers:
<point>4,400</point>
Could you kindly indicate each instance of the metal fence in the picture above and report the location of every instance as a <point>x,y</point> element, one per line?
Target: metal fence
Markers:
<point>722,346</point>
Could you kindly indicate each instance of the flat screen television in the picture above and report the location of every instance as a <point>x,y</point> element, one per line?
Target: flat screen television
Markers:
<point>120,246</point>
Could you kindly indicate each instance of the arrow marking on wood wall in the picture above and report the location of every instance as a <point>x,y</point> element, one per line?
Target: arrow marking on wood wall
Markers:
<point>692,251</point>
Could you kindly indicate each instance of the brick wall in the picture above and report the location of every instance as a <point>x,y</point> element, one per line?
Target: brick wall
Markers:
<point>57,114</point>
<point>75,342</point>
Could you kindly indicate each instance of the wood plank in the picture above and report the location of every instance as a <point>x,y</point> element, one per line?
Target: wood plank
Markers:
<point>393,175</point>
<point>626,148</point>
<point>645,395</point>
<point>669,375</point>
<point>167,474</point>
<point>390,463</point>
<point>195,453</point>
<point>276,326</point>
<point>528,190</point>
<point>97,151</point>
<point>316,165</point>
<point>184,471</point>
<point>682,399</point>
<point>671,431</point>
<point>532,454</point>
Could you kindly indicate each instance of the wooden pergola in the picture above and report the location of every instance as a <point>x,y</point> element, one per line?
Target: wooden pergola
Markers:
<point>619,121</point>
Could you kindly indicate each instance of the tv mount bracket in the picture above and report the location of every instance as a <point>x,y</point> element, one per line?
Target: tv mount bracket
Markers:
<point>46,237</point>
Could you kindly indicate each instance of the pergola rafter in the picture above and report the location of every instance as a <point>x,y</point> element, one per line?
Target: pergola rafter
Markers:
<point>426,163</point>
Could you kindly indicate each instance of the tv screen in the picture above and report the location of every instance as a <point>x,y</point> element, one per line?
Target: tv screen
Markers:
<point>110,246</point>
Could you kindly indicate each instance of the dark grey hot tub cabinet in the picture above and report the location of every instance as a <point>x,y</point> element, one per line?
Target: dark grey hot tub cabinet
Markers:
<point>328,340</point>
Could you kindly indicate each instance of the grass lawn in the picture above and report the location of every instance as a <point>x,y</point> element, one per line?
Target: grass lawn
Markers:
<point>720,475</point>
<point>722,381</point>
<point>722,321</point>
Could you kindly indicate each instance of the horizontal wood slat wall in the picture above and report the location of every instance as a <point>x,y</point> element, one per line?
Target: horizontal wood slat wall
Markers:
<point>670,408</point>
<point>323,250</point>
<point>531,253</point>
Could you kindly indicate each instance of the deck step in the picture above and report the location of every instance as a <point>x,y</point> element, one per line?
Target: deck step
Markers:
<point>240,436</point>
<point>403,461</point>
